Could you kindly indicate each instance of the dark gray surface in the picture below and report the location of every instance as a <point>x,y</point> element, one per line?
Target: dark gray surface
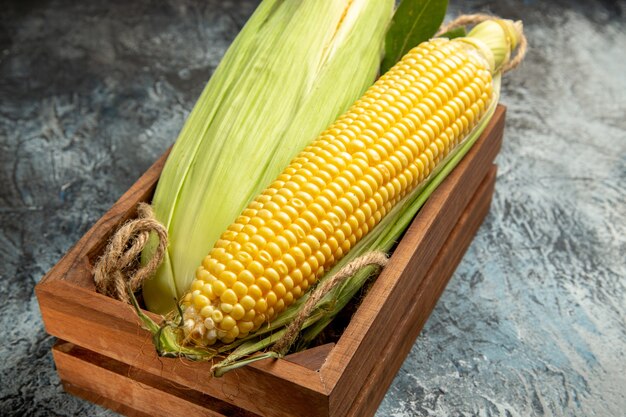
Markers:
<point>532,322</point>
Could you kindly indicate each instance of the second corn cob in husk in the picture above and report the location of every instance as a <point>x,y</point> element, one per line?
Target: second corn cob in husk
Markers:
<point>340,187</point>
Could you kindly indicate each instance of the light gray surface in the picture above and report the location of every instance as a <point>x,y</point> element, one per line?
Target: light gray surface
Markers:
<point>533,321</point>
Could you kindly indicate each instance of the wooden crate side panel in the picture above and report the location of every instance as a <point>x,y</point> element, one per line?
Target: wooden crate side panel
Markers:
<point>312,358</point>
<point>391,294</point>
<point>101,400</point>
<point>255,388</point>
<point>132,388</point>
<point>430,289</point>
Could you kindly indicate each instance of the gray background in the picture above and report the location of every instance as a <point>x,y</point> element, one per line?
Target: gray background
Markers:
<point>91,93</point>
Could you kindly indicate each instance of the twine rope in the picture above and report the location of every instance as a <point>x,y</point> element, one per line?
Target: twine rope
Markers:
<point>473,19</point>
<point>119,265</point>
<point>283,344</point>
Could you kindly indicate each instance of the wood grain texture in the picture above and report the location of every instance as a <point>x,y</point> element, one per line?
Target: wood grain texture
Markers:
<point>133,388</point>
<point>134,392</point>
<point>94,397</point>
<point>322,382</point>
<point>312,358</point>
<point>248,388</point>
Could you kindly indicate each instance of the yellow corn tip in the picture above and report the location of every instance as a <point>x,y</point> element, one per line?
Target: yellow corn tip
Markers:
<point>337,189</point>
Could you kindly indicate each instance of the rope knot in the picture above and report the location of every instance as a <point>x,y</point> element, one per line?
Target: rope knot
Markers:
<point>377,258</point>
<point>120,263</point>
<point>473,19</point>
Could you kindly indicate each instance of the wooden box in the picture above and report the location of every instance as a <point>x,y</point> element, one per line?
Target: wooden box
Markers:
<point>104,355</point>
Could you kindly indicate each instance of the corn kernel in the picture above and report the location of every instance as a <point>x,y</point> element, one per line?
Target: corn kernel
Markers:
<point>255,292</point>
<point>217,316</point>
<point>227,323</point>
<point>261,306</point>
<point>240,289</point>
<point>237,312</point>
<point>246,326</point>
<point>218,287</point>
<point>248,302</point>
<point>229,297</point>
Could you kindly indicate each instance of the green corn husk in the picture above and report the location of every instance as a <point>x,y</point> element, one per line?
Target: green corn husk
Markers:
<point>294,67</point>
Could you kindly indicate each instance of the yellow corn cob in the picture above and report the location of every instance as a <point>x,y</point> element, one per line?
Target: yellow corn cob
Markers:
<point>337,189</point>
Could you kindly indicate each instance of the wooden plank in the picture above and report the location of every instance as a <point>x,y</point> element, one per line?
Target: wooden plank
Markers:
<point>126,389</point>
<point>392,293</point>
<point>429,291</point>
<point>102,401</point>
<point>98,379</point>
<point>312,358</point>
<point>245,387</point>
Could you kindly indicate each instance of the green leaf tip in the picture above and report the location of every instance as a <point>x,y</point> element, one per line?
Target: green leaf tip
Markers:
<point>414,22</point>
